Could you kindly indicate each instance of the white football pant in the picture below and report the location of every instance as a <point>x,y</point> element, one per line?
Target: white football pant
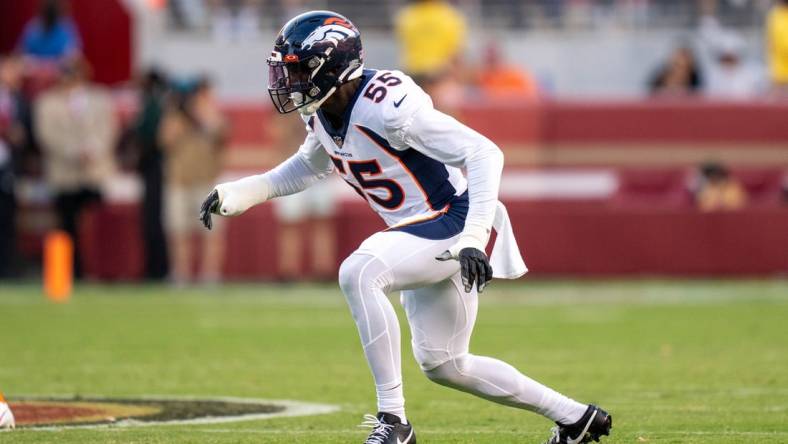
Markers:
<point>441,317</point>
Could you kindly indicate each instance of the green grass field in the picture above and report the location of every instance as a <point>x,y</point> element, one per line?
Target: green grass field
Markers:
<point>673,361</point>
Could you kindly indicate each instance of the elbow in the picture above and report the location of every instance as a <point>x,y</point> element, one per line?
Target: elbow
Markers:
<point>496,154</point>
<point>487,154</point>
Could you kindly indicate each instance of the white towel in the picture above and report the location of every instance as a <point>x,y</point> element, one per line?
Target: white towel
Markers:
<point>506,261</point>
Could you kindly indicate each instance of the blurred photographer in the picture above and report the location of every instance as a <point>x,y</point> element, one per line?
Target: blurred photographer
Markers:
<point>192,134</point>
<point>13,137</point>
<point>76,125</point>
<point>150,164</point>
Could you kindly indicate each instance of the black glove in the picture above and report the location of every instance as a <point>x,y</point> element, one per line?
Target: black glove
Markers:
<point>209,205</point>
<point>474,268</point>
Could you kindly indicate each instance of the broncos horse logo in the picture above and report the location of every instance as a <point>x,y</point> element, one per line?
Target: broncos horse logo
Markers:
<point>332,33</point>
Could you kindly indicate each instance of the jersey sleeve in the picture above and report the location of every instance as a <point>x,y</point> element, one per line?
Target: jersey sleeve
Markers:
<point>307,166</point>
<point>443,138</point>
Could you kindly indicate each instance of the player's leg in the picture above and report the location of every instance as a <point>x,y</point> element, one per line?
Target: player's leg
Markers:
<point>441,318</point>
<point>364,281</point>
<point>385,262</point>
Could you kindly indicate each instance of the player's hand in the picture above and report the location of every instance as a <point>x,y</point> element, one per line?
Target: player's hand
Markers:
<point>474,267</point>
<point>209,206</point>
<point>234,198</point>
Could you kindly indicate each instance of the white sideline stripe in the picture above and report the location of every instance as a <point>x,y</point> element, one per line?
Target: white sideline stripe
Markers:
<point>292,408</point>
<point>589,183</point>
<point>559,184</point>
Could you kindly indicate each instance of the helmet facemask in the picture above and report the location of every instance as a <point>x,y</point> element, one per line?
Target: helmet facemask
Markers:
<point>290,83</point>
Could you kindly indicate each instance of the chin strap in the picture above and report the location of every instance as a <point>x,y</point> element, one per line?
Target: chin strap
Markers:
<point>351,73</point>
<point>312,108</point>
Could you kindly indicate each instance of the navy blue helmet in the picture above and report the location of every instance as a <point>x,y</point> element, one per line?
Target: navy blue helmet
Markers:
<point>314,53</point>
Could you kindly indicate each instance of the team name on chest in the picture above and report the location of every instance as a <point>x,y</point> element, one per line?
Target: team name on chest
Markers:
<point>343,154</point>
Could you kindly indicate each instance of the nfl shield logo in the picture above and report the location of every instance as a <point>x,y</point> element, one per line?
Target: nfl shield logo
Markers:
<point>339,141</point>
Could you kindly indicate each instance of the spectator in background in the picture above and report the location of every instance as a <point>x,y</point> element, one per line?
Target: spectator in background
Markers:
<point>192,134</point>
<point>150,165</point>
<point>731,78</point>
<point>51,36</point>
<point>679,77</point>
<point>777,47</point>
<point>496,78</point>
<point>13,137</point>
<point>431,35</point>
<point>718,190</point>
<point>76,126</point>
<point>235,20</point>
<point>305,217</point>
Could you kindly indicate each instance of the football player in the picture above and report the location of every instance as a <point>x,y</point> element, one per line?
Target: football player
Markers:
<point>379,131</point>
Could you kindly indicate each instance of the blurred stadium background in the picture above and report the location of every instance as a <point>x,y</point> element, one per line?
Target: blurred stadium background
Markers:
<point>643,138</point>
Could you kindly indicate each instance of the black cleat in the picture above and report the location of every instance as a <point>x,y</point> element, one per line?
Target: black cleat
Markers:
<point>593,425</point>
<point>388,429</point>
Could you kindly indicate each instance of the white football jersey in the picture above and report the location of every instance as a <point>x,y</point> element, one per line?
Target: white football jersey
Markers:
<point>398,181</point>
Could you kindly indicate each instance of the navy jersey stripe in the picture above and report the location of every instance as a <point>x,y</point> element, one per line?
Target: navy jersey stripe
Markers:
<point>445,226</point>
<point>430,174</point>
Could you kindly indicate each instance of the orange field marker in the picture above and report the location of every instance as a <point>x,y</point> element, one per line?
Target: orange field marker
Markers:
<point>58,266</point>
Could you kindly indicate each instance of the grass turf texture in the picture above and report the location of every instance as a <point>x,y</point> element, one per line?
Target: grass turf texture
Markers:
<point>673,361</point>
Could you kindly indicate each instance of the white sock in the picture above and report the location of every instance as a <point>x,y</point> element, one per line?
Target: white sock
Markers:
<point>391,400</point>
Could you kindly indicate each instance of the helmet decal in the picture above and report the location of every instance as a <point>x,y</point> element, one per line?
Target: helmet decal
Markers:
<point>332,34</point>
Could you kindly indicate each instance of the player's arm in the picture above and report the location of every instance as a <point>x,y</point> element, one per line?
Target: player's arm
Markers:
<point>300,171</point>
<point>443,138</point>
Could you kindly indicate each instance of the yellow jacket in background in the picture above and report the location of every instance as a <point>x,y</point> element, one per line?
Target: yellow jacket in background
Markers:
<point>777,38</point>
<point>431,34</point>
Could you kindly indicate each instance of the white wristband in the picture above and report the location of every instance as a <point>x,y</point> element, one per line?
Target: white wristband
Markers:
<point>471,237</point>
<point>240,195</point>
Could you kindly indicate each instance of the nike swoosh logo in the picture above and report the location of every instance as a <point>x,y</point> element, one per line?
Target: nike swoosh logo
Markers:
<point>399,102</point>
<point>582,434</point>
<point>407,440</point>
